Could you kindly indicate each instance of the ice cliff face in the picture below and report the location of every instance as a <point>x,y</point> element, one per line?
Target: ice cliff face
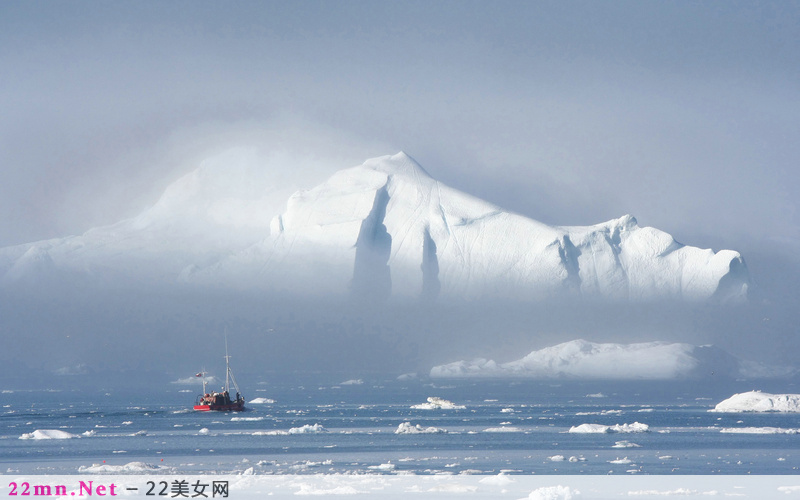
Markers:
<point>381,230</point>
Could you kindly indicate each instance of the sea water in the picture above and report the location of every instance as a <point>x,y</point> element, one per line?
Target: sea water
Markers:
<point>313,427</point>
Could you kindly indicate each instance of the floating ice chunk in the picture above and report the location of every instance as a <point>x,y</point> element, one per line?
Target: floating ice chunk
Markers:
<point>758,401</point>
<point>436,403</point>
<point>89,433</point>
<point>48,434</point>
<point>261,401</point>
<point>246,419</point>
<point>203,432</point>
<point>625,444</point>
<point>306,429</point>
<point>129,468</point>
<point>383,467</point>
<point>621,461</point>
<point>407,428</point>
<point>352,382</point>
<point>503,429</point>
<point>601,429</point>
<point>758,430</point>
<point>556,458</point>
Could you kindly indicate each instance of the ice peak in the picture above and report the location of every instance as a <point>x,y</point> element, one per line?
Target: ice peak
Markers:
<point>627,221</point>
<point>398,164</point>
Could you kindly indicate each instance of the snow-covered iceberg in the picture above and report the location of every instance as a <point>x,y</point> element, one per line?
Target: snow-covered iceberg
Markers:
<point>580,359</point>
<point>382,229</point>
<point>757,401</point>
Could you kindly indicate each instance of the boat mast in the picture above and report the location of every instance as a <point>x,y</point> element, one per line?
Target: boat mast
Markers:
<point>227,364</point>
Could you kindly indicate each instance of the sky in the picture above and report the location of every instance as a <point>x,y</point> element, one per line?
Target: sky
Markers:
<point>681,113</point>
<point>685,114</point>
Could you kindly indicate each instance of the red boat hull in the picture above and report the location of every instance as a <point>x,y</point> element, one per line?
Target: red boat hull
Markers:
<point>230,407</point>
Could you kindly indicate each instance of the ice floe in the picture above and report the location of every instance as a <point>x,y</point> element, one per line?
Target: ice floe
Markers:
<point>261,401</point>
<point>602,429</point>
<point>436,403</point>
<point>408,428</point>
<point>758,430</point>
<point>129,468</point>
<point>306,429</point>
<point>48,434</point>
<point>625,444</point>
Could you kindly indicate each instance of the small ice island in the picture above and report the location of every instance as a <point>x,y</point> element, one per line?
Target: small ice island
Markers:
<point>583,360</point>
<point>757,401</point>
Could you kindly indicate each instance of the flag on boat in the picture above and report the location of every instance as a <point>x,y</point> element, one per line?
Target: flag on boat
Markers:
<point>199,374</point>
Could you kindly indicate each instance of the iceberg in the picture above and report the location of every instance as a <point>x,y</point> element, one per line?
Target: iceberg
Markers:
<point>757,401</point>
<point>580,359</point>
<point>384,229</point>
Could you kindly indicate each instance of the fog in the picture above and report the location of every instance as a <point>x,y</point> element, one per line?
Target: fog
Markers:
<point>572,113</point>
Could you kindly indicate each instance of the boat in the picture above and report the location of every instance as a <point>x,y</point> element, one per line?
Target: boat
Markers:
<point>220,401</point>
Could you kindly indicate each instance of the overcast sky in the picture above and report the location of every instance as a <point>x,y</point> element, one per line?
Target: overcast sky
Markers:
<point>685,114</point>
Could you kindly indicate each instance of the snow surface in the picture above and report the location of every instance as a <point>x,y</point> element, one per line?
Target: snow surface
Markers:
<point>580,359</point>
<point>382,229</point>
<point>558,492</point>
<point>757,401</point>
